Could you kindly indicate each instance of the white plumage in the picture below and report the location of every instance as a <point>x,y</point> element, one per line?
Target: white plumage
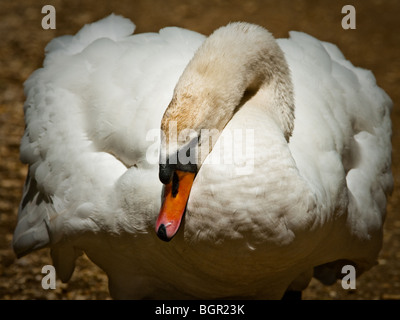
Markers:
<point>93,115</point>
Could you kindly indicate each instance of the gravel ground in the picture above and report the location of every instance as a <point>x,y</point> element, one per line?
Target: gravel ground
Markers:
<point>374,45</point>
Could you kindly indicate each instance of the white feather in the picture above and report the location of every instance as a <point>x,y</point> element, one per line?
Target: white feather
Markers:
<point>319,199</point>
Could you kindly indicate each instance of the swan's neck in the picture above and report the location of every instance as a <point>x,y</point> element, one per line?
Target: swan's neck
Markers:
<point>236,63</point>
<point>238,66</point>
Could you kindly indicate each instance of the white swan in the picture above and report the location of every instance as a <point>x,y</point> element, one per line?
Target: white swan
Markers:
<point>313,199</point>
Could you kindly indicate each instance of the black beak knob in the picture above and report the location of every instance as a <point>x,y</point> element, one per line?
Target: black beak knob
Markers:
<point>165,172</point>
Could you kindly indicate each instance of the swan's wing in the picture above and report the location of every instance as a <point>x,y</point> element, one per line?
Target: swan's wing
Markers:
<point>92,115</point>
<point>341,141</point>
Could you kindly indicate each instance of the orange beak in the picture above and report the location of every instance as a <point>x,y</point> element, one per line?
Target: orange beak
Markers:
<point>176,195</point>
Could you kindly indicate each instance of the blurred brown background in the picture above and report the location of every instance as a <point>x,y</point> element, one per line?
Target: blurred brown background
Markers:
<point>373,45</point>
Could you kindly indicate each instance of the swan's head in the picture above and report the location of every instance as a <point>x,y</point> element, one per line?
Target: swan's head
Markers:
<point>185,138</point>
<point>236,63</point>
<point>201,106</point>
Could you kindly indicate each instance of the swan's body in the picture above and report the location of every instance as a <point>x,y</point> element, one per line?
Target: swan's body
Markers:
<point>319,198</point>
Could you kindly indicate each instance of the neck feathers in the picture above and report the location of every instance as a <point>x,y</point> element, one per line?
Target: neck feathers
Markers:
<point>236,63</point>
